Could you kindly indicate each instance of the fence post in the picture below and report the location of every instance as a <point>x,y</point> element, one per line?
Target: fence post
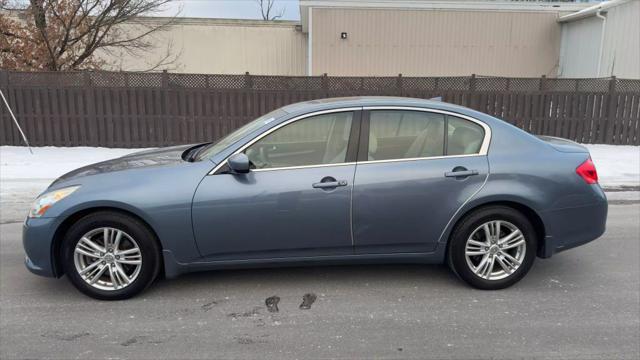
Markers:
<point>472,90</point>
<point>248,80</point>
<point>399,85</point>
<point>325,85</point>
<point>4,86</point>
<point>168,121</point>
<point>611,113</point>
<point>4,79</point>
<point>165,78</point>
<point>92,116</point>
<point>540,109</point>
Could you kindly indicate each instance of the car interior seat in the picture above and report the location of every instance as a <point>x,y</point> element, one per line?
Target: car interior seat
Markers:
<point>463,141</point>
<point>429,142</point>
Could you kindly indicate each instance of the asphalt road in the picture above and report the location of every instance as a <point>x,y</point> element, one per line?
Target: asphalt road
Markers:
<point>583,304</point>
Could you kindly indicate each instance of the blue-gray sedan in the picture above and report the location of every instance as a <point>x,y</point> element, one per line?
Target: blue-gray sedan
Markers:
<point>335,181</point>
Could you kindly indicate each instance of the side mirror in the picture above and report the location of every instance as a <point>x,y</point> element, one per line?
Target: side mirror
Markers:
<point>238,163</point>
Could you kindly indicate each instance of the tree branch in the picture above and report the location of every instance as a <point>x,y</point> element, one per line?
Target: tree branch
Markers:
<point>65,34</point>
<point>265,10</point>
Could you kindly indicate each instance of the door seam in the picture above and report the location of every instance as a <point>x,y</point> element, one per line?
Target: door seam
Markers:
<point>353,186</point>
<point>464,204</point>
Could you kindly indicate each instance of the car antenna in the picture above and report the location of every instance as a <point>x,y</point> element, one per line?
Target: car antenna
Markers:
<point>24,137</point>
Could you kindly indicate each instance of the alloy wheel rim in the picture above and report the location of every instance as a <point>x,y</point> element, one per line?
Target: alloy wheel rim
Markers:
<point>495,250</point>
<point>107,258</point>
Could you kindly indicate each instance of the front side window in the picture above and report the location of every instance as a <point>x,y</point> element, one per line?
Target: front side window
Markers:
<point>316,140</point>
<point>463,136</point>
<point>405,134</point>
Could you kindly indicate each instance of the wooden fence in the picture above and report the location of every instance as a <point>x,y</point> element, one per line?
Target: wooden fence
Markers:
<point>123,109</point>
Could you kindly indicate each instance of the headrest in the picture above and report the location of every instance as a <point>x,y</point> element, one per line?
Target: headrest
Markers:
<point>373,143</point>
<point>464,134</point>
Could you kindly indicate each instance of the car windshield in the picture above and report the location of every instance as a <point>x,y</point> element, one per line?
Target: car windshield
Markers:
<point>214,148</point>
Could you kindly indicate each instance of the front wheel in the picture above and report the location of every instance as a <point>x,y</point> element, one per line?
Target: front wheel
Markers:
<point>492,248</point>
<point>110,256</point>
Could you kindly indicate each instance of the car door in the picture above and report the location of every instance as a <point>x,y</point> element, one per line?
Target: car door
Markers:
<point>415,169</point>
<point>295,201</point>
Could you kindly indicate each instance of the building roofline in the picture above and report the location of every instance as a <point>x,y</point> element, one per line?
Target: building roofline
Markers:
<point>450,5</point>
<point>591,11</point>
<point>456,5</point>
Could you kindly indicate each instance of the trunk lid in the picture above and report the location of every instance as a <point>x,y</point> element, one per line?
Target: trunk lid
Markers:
<point>563,145</point>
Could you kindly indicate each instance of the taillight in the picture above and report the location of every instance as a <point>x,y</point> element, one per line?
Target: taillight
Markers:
<point>587,171</point>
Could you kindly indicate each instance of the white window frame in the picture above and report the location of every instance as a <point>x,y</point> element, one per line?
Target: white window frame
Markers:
<point>484,148</point>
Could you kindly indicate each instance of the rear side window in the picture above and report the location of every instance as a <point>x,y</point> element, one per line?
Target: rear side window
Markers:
<point>405,134</point>
<point>316,140</point>
<point>463,136</point>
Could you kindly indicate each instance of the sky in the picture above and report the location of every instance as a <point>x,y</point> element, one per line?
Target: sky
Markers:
<point>231,9</point>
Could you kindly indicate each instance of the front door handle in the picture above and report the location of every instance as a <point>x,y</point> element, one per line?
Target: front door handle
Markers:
<point>461,173</point>
<point>329,183</point>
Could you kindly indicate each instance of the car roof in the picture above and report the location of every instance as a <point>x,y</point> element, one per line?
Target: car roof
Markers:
<point>358,101</point>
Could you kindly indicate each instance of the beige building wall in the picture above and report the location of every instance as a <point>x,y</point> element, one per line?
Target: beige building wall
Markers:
<point>219,46</point>
<point>387,42</point>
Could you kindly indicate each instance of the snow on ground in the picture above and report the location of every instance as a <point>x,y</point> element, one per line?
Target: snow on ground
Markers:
<point>50,162</point>
<point>23,176</point>
<point>617,165</point>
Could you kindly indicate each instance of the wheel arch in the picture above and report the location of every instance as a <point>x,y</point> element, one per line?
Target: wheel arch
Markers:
<point>520,206</point>
<point>65,225</point>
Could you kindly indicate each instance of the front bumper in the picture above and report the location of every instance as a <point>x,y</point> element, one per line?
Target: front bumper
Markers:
<point>570,227</point>
<point>37,240</point>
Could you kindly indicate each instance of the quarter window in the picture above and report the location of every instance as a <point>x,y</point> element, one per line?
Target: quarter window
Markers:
<point>463,137</point>
<point>316,140</point>
<point>404,134</point>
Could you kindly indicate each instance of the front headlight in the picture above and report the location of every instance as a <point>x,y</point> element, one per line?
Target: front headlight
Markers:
<point>46,200</point>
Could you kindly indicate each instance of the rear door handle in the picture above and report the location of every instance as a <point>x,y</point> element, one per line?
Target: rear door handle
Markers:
<point>463,173</point>
<point>329,184</point>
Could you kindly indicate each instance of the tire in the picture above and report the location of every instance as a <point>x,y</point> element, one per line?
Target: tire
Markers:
<point>471,230</point>
<point>134,255</point>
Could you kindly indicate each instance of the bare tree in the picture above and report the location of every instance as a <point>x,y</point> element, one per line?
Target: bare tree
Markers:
<point>266,10</point>
<point>59,35</point>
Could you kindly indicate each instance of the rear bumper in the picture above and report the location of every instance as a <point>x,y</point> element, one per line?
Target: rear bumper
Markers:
<point>570,227</point>
<point>37,239</point>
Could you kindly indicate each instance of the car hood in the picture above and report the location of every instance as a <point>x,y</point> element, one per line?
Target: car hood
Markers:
<point>142,159</point>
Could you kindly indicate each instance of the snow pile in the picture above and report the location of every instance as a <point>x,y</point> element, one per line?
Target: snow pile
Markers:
<point>617,165</point>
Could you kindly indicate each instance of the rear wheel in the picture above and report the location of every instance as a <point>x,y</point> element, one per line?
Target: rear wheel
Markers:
<point>110,256</point>
<point>492,248</point>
